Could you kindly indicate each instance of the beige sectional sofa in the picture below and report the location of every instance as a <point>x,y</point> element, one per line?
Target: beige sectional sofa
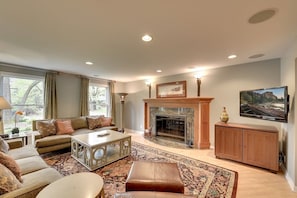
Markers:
<point>51,138</point>
<point>35,173</point>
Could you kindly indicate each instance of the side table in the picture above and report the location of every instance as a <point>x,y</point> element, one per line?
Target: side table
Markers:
<point>21,135</point>
<point>77,185</point>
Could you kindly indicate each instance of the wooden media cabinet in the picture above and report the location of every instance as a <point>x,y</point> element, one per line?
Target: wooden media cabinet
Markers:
<point>250,144</point>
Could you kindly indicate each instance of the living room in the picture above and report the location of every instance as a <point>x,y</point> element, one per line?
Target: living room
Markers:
<point>223,84</point>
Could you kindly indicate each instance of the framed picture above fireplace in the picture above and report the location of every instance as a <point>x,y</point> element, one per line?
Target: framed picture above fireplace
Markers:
<point>172,90</point>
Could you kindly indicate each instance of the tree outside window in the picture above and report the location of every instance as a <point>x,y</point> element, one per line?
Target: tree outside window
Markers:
<point>25,95</point>
<point>98,99</point>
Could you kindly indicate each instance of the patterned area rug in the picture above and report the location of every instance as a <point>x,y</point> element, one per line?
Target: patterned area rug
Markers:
<point>200,178</point>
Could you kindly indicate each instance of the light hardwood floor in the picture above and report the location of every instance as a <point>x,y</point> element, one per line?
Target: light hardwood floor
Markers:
<point>253,182</point>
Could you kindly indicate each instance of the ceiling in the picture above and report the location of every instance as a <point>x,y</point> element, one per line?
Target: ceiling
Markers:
<point>188,35</point>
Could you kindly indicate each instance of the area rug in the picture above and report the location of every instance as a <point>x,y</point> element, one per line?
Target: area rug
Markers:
<point>200,178</point>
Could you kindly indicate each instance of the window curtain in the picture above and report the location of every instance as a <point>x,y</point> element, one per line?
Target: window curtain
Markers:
<point>50,96</point>
<point>112,101</point>
<point>84,97</point>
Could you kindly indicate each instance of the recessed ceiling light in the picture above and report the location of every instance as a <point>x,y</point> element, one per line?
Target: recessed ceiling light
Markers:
<point>262,16</point>
<point>158,70</point>
<point>89,63</point>
<point>256,56</point>
<point>232,56</point>
<point>147,38</point>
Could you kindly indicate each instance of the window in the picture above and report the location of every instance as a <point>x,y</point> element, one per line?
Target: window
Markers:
<point>25,94</point>
<point>98,99</point>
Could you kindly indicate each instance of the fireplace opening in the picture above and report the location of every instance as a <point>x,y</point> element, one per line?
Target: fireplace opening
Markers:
<point>171,127</point>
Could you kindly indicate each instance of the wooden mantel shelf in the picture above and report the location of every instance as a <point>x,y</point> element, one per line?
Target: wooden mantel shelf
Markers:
<point>201,115</point>
<point>177,100</point>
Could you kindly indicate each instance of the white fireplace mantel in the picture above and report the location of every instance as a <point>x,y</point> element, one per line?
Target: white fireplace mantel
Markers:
<point>201,115</point>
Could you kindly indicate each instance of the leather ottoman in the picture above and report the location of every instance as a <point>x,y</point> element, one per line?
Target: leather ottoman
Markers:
<point>150,194</point>
<point>154,176</point>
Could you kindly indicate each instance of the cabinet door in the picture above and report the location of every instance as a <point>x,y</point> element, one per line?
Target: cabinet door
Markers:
<point>260,149</point>
<point>228,143</point>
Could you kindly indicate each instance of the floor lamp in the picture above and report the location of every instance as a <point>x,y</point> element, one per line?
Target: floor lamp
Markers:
<point>122,99</point>
<point>3,105</point>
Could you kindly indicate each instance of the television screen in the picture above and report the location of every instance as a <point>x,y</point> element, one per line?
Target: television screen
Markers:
<point>268,104</point>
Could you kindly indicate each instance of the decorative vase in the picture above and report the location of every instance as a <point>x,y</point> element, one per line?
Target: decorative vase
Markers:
<point>224,116</point>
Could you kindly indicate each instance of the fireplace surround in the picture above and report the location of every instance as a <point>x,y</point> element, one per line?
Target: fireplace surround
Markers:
<point>197,131</point>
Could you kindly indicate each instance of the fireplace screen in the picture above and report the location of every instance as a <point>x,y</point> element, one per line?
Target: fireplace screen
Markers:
<point>171,126</point>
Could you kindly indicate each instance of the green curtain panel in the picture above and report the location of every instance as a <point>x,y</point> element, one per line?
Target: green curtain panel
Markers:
<point>112,101</point>
<point>50,96</point>
<point>84,97</point>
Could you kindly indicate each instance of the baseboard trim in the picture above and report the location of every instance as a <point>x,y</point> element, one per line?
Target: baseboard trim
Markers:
<point>289,179</point>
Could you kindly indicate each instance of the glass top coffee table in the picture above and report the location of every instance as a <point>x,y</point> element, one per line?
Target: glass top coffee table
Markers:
<point>97,149</point>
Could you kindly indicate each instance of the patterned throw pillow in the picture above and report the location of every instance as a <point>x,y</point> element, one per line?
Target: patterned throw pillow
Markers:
<point>11,164</point>
<point>106,121</point>
<point>46,127</point>
<point>64,127</point>
<point>93,123</point>
<point>8,182</point>
<point>4,147</point>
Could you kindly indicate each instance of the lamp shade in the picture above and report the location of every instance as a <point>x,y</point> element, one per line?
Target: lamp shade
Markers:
<point>4,104</point>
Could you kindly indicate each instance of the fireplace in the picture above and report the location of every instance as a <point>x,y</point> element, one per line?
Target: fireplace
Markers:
<point>171,126</point>
<point>195,110</point>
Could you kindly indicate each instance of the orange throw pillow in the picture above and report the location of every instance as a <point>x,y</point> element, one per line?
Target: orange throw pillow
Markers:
<point>64,127</point>
<point>105,121</point>
<point>11,164</point>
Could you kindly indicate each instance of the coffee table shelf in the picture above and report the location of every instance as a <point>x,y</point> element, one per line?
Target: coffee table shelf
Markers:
<point>98,149</point>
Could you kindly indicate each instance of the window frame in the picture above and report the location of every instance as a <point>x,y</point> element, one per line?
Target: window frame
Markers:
<point>107,97</point>
<point>20,76</point>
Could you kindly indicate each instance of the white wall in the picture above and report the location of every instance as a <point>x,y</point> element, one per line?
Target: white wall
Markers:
<point>223,84</point>
<point>289,137</point>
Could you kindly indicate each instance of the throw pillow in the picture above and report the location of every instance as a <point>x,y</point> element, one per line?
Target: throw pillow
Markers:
<point>64,127</point>
<point>8,181</point>
<point>11,164</point>
<point>46,127</point>
<point>78,123</point>
<point>4,147</point>
<point>105,121</point>
<point>93,122</point>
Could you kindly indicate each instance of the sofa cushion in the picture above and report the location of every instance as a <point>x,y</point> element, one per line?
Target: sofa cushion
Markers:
<point>83,131</point>
<point>79,123</point>
<point>52,140</point>
<point>23,152</point>
<point>93,123</point>
<point>11,164</point>
<point>31,164</point>
<point>4,147</point>
<point>46,127</point>
<point>64,127</point>
<point>8,181</point>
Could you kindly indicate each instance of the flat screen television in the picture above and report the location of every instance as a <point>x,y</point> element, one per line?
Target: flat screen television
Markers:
<point>267,104</point>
